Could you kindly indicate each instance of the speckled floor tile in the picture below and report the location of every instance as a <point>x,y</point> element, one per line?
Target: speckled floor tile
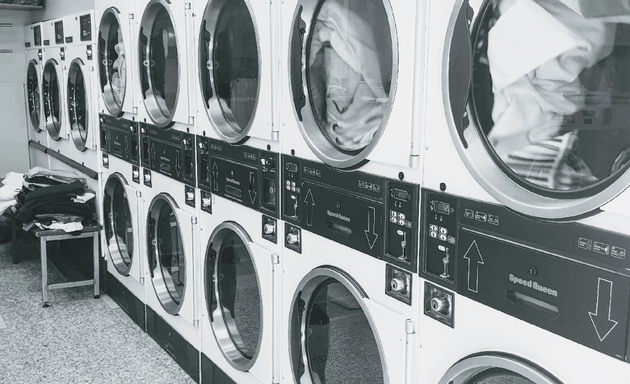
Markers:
<point>78,339</point>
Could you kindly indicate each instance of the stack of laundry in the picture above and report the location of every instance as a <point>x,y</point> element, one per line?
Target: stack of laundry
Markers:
<point>11,186</point>
<point>54,199</point>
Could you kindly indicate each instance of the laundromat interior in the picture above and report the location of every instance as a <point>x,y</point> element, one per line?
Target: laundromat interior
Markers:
<point>315,191</point>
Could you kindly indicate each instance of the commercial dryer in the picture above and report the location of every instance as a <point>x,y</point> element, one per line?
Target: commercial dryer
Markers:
<point>123,216</point>
<point>235,77</point>
<point>163,64</point>
<point>351,78</point>
<point>36,130</point>
<point>54,86</point>
<point>117,53</point>
<point>511,299</point>
<point>81,94</point>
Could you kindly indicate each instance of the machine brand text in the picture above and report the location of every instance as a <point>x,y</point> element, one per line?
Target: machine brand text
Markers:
<point>533,285</point>
<point>338,216</point>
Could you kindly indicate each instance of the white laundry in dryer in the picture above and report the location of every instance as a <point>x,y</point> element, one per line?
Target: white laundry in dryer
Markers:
<point>351,84</point>
<point>117,54</point>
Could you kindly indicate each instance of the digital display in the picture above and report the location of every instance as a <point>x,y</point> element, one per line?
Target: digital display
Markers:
<point>400,194</point>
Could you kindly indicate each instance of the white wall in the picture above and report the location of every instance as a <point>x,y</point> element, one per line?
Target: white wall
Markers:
<point>59,8</point>
<point>13,139</point>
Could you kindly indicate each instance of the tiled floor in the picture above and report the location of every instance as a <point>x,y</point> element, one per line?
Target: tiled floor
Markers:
<point>78,339</point>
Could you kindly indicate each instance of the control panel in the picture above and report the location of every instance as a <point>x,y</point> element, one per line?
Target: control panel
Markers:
<point>169,152</point>
<point>371,214</point>
<point>246,175</point>
<point>565,277</point>
<point>119,138</point>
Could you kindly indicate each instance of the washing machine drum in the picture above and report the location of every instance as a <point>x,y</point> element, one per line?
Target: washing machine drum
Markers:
<point>332,339</point>
<point>538,94</point>
<point>166,256</point>
<point>119,225</point>
<point>112,62</point>
<point>159,63</point>
<point>229,68</point>
<point>78,104</point>
<point>51,92</point>
<point>343,68</point>
<point>496,369</point>
<point>33,90</point>
<point>233,296</point>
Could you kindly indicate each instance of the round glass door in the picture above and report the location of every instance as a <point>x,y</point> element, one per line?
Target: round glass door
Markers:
<point>159,63</point>
<point>539,94</point>
<point>167,259</point>
<point>229,67</point>
<point>332,338</point>
<point>51,93</point>
<point>496,369</point>
<point>119,224</point>
<point>112,62</point>
<point>343,69</point>
<point>232,292</point>
<point>78,107</point>
<point>34,101</point>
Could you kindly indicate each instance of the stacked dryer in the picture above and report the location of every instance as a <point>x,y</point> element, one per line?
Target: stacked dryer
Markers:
<point>238,178</point>
<point>54,86</point>
<point>123,206</point>
<point>167,153</point>
<point>525,230</point>
<point>81,95</point>
<point>34,69</point>
<point>350,179</point>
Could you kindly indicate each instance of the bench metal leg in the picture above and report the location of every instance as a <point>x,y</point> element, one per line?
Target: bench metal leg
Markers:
<point>44,257</point>
<point>95,254</point>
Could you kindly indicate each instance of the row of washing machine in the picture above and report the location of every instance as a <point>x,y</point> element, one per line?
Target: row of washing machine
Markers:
<point>370,191</point>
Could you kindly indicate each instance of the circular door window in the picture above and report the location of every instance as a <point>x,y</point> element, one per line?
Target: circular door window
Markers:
<point>112,62</point>
<point>229,67</point>
<point>159,63</point>
<point>539,96</point>
<point>167,260</point>
<point>343,67</point>
<point>51,93</point>
<point>78,107</point>
<point>233,297</point>
<point>119,224</point>
<point>332,336</point>
<point>496,369</point>
<point>32,88</point>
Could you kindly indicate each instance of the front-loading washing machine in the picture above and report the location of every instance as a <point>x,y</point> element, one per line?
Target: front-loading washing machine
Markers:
<point>123,234</point>
<point>511,299</point>
<point>36,130</point>
<point>172,232</point>
<point>163,64</point>
<point>352,84</point>
<point>234,83</point>
<point>241,292</point>
<point>531,118</point>
<point>117,44</point>
<point>81,95</point>
<point>54,86</point>
<point>347,317</point>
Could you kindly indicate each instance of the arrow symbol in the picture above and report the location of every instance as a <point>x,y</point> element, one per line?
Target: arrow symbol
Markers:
<point>370,233</point>
<point>474,260</point>
<point>215,177</point>
<point>309,209</point>
<point>252,187</point>
<point>601,320</point>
